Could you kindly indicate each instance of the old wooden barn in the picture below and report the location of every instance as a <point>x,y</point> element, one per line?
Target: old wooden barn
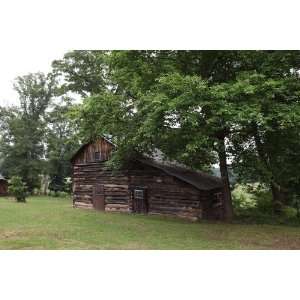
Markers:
<point>146,186</point>
<point>3,186</point>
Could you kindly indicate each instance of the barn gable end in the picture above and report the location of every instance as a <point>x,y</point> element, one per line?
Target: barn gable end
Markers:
<point>100,150</point>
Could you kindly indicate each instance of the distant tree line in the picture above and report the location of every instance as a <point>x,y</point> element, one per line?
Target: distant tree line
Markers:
<point>198,107</point>
<point>37,139</point>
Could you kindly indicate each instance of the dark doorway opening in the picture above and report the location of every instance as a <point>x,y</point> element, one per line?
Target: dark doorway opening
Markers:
<point>139,200</point>
<point>99,199</point>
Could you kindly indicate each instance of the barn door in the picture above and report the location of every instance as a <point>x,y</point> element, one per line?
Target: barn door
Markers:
<point>139,201</point>
<point>98,199</point>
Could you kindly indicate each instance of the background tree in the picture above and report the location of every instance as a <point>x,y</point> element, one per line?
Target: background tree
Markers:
<point>23,128</point>
<point>82,72</point>
<point>62,142</point>
<point>265,142</point>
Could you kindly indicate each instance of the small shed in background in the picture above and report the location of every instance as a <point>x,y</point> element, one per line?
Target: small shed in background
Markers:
<point>3,186</point>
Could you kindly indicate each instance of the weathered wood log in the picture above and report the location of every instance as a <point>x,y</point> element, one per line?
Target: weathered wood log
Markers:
<point>117,207</point>
<point>83,205</point>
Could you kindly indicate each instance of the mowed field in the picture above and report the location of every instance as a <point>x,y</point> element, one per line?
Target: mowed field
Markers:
<point>52,223</point>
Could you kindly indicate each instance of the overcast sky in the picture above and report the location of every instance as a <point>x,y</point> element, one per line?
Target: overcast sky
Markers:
<point>17,62</point>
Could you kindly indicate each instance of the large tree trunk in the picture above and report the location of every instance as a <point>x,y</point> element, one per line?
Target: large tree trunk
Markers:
<point>227,200</point>
<point>278,198</point>
<point>44,184</point>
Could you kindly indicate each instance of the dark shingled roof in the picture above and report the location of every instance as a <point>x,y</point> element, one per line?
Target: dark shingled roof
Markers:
<point>199,180</point>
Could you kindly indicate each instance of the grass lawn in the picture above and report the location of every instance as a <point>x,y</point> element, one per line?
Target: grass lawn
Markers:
<point>52,223</point>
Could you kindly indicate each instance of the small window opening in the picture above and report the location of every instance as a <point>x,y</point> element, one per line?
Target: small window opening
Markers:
<point>97,156</point>
<point>139,194</point>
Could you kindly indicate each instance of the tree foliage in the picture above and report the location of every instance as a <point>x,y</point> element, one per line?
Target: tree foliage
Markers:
<point>200,107</point>
<point>197,107</point>
<point>23,128</point>
<point>37,137</point>
<point>62,143</point>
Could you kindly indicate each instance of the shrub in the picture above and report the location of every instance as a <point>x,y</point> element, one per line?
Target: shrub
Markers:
<point>57,194</point>
<point>18,188</point>
<point>242,200</point>
<point>53,193</point>
<point>289,212</point>
<point>36,191</point>
<point>253,204</point>
<point>60,187</point>
<point>62,194</point>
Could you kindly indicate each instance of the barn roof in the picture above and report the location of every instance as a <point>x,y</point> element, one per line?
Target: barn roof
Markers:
<point>199,180</point>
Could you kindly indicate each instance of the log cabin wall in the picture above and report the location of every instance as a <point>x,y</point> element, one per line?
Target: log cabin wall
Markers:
<point>115,183</point>
<point>89,172</point>
<point>167,194</point>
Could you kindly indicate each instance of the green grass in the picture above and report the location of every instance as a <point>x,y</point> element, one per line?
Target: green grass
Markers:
<point>52,223</point>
